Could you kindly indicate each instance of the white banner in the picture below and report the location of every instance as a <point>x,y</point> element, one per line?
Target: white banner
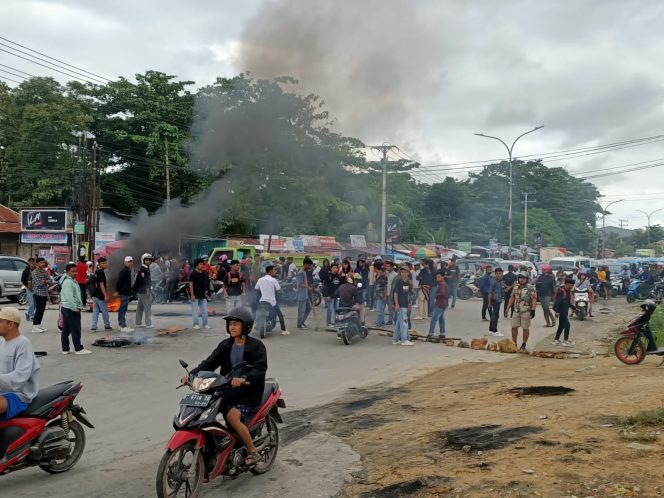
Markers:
<point>358,241</point>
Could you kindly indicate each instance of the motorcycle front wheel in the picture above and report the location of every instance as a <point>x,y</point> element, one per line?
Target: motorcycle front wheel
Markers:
<point>55,299</point>
<point>22,298</point>
<point>159,295</point>
<point>175,477</point>
<point>464,293</point>
<point>270,446</point>
<point>628,352</point>
<point>77,440</point>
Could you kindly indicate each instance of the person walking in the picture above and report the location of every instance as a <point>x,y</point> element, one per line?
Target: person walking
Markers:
<point>234,287</point>
<point>546,287</point>
<point>143,289</point>
<point>303,294</point>
<point>401,298</point>
<point>391,278</point>
<point>40,283</point>
<point>483,284</point>
<point>82,279</point>
<point>199,284</point>
<point>524,300</point>
<point>124,292</point>
<point>440,305</point>
<point>496,296</point>
<point>425,279</point>
<point>70,307</point>
<point>331,282</point>
<point>452,278</point>
<point>26,280</point>
<point>380,294</point>
<point>561,306</point>
<point>100,296</point>
<point>268,287</point>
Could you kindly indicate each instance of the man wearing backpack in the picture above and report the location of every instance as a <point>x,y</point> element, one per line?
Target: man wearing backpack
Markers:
<point>100,296</point>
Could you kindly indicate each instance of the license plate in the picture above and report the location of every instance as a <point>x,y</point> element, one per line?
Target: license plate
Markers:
<point>196,399</point>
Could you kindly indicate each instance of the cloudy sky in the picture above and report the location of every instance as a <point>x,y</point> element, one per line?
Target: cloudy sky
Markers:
<point>422,74</point>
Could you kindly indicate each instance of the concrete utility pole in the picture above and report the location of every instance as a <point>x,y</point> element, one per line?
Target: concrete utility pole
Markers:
<point>168,178</point>
<point>384,149</point>
<point>525,216</point>
<point>623,224</point>
<point>509,152</point>
<point>604,211</point>
<point>648,215</point>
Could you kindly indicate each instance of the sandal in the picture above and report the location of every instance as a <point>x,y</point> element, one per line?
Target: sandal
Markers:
<point>251,459</point>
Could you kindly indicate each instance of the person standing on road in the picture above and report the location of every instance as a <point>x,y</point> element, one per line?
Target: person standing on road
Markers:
<point>234,287</point>
<point>414,273</point>
<point>546,286</point>
<point>562,307</point>
<point>483,284</point>
<point>143,290</point>
<point>100,296</point>
<point>330,285</point>
<point>496,297</point>
<point>71,304</point>
<point>452,278</point>
<point>124,292</point>
<point>400,296</point>
<point>82,279</point>
<point>380,293</point>
<point>509,281</point>
<point>440,305</point>
<point>26,280</point>
<point>40,283</point>
<point>425,279</point>
<point>303,295</point>
<point>199,283</point>
<point>391,278</point>
<point>524,300</point>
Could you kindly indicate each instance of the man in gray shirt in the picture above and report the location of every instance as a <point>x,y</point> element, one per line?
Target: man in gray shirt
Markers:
<point>18,366</point>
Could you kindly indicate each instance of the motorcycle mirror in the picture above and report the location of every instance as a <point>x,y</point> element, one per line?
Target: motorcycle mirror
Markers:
<point>184,364</point>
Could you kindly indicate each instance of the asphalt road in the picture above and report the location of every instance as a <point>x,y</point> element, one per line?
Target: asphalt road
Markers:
<point>129,394</point>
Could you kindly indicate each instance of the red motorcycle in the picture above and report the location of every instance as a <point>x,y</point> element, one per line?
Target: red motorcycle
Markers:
<point>47,434</point>
<point>204,448</point>
<point>637,340</point>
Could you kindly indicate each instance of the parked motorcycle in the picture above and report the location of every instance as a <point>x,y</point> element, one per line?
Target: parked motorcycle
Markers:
<point>467,288</point>
<point>581,302</point>
<point>288,294</point>
<point>47,434</point>
<point>348,325</point>
<point>658,291</point>
<point>180,293</point>
<point>204,448</point>
<point>637,340</point>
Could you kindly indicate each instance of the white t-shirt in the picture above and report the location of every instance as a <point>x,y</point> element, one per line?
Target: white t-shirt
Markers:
<point>292,271</point>
<point>268,287</point>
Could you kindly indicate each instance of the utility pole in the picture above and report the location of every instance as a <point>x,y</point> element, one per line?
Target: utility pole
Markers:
<point>384,149</point>
<point>623,224</point>
<point>648,215</point>
<point>525,216</point>
<point>168,178</point>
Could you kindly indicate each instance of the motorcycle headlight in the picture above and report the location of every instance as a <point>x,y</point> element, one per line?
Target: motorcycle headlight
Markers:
<point>201,384</point>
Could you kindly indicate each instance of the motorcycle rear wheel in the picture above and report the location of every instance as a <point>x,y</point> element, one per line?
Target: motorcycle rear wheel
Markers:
<point>464,293</point>
<point>630,299</point>
<point>267,459</point>
<point>173,472</point>
<point>317,298</point>
<point>55,299</point>
<point>22,298</point>
<point>78,445</point>
<point>623,345</point>
<point>614,292</point>
<point>159,295</point>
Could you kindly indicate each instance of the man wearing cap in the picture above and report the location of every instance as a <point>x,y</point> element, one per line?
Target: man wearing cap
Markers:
<point>18,366</point>
<point>303,297</point>
<point>123,291</point>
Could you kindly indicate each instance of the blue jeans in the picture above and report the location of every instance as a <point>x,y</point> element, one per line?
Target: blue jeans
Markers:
<point>401,325</point>
<point>453,286</point>
<point>437,317</point>
<point>122,312</point>
<point>332,307</point>
<point>99,305</point>
<point>303,310</point>
<point>195,304</point>
<point>380,312</point>
<point>31,303</point>
<point>413,299</point>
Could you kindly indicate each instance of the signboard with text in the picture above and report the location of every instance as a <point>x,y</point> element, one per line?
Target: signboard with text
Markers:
<point>44,238</point>
<point>43,220</point>
<point>326,241</point>
<point>358,241</point>
<point>298,244</point>
<point>464,246</point>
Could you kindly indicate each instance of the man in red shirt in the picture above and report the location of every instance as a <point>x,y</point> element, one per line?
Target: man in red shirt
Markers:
<point>82,278</point>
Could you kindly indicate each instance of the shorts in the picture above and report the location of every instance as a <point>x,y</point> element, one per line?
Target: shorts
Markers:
<point>246,412</point>
<point>14,406</point>
<point>521,319</point>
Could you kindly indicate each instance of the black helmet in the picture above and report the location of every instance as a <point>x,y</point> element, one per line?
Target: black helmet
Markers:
<point>241,314</point>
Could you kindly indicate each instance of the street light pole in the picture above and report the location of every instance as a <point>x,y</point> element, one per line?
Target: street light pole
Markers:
<point>648,215</point>
<point>604,211</point>
<point>509,152</point>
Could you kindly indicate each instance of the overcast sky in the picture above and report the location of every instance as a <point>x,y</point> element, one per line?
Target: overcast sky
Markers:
<point>424,75</point>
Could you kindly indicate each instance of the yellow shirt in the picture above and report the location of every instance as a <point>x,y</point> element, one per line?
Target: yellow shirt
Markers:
<point>601,276</point>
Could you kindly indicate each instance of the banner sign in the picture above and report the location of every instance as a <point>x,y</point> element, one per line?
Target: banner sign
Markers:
<point>276,245</point>
<point>310,240</point>
<point>79,228</point>
<point>330,242</point>
<point>103,238</point>
<point>464,246</point>
<point>358,241</point>
<point>392,229</point>
<point>298,244</point>
<point>43,238</point>
<point>289,245</point>
<point>43,220</point>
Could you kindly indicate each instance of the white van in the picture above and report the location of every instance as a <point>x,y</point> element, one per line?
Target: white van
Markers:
<point>568,263</point>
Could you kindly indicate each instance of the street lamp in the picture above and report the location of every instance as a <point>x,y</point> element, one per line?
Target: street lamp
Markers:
<point>604,211</point>
<point>509,152</point>
<point>648,215</point>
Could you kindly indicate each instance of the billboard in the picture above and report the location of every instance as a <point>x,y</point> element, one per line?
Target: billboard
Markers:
<point>43,220</point>
<point>44,238</point>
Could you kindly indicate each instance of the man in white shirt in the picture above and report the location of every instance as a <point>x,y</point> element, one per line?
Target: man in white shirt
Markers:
<point>268,286</point>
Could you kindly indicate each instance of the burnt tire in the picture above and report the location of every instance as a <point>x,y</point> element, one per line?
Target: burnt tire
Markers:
<point>74,456</point>
<point>622,350</point>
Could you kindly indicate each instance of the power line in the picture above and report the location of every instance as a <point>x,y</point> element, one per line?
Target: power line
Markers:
<point>13,74</point>
<point>47,67</point>
<point>9,79</point>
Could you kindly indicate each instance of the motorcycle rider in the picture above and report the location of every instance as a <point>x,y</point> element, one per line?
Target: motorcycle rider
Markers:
<point>625,278</point>
<point>583,285</point>
<point>351,296</point>
<point>143,289</point>
<point>268,286</point>
<point>242,401</point>
<point>647,280</point>
<point>19,367</point>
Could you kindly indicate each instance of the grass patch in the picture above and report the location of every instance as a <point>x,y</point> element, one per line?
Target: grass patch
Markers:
<point>657,324</point>
<point>646,418</point>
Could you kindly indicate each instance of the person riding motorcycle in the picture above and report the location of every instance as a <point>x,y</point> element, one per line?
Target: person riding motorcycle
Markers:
<point>243,399</point>
<point>351,296</point>
<point>625,278</point>
<point>583,285</point>
<point>647,280</point>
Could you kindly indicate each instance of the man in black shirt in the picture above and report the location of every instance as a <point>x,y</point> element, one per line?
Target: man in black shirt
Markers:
<point>100,296</point>
<point>331,282</point>
<point>26,280</point>
<point>350,296</point>
<point>401,297</point>
<point>509,279</point>
<point>199,283</point>
<point>234,287</point>
<point>143,289</point>
<point>123,291</point>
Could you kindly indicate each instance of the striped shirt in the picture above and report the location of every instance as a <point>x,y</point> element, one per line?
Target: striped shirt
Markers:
<point>40,282</point>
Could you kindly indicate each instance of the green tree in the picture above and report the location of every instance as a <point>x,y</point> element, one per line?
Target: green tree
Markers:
<point>539,221</point>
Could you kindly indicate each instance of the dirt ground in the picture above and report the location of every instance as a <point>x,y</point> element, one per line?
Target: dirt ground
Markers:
<point>549,446</point>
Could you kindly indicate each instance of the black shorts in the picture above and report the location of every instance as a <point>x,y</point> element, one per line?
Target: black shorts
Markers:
<point>246,412</point>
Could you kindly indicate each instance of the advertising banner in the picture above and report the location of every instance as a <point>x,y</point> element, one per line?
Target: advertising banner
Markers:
<point>43,238</point>
<point>358,241</point>
<point>330,242</point>
<point>392,229</point>
<point>464,246</point>
<point>43,220</point>
<point>298,244</point>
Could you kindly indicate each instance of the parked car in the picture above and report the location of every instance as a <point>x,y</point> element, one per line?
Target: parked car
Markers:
<point>11,268</point>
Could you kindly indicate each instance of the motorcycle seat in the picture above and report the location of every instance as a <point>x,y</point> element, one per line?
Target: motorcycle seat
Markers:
<point>46,396</point>
<point>271,385</point>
